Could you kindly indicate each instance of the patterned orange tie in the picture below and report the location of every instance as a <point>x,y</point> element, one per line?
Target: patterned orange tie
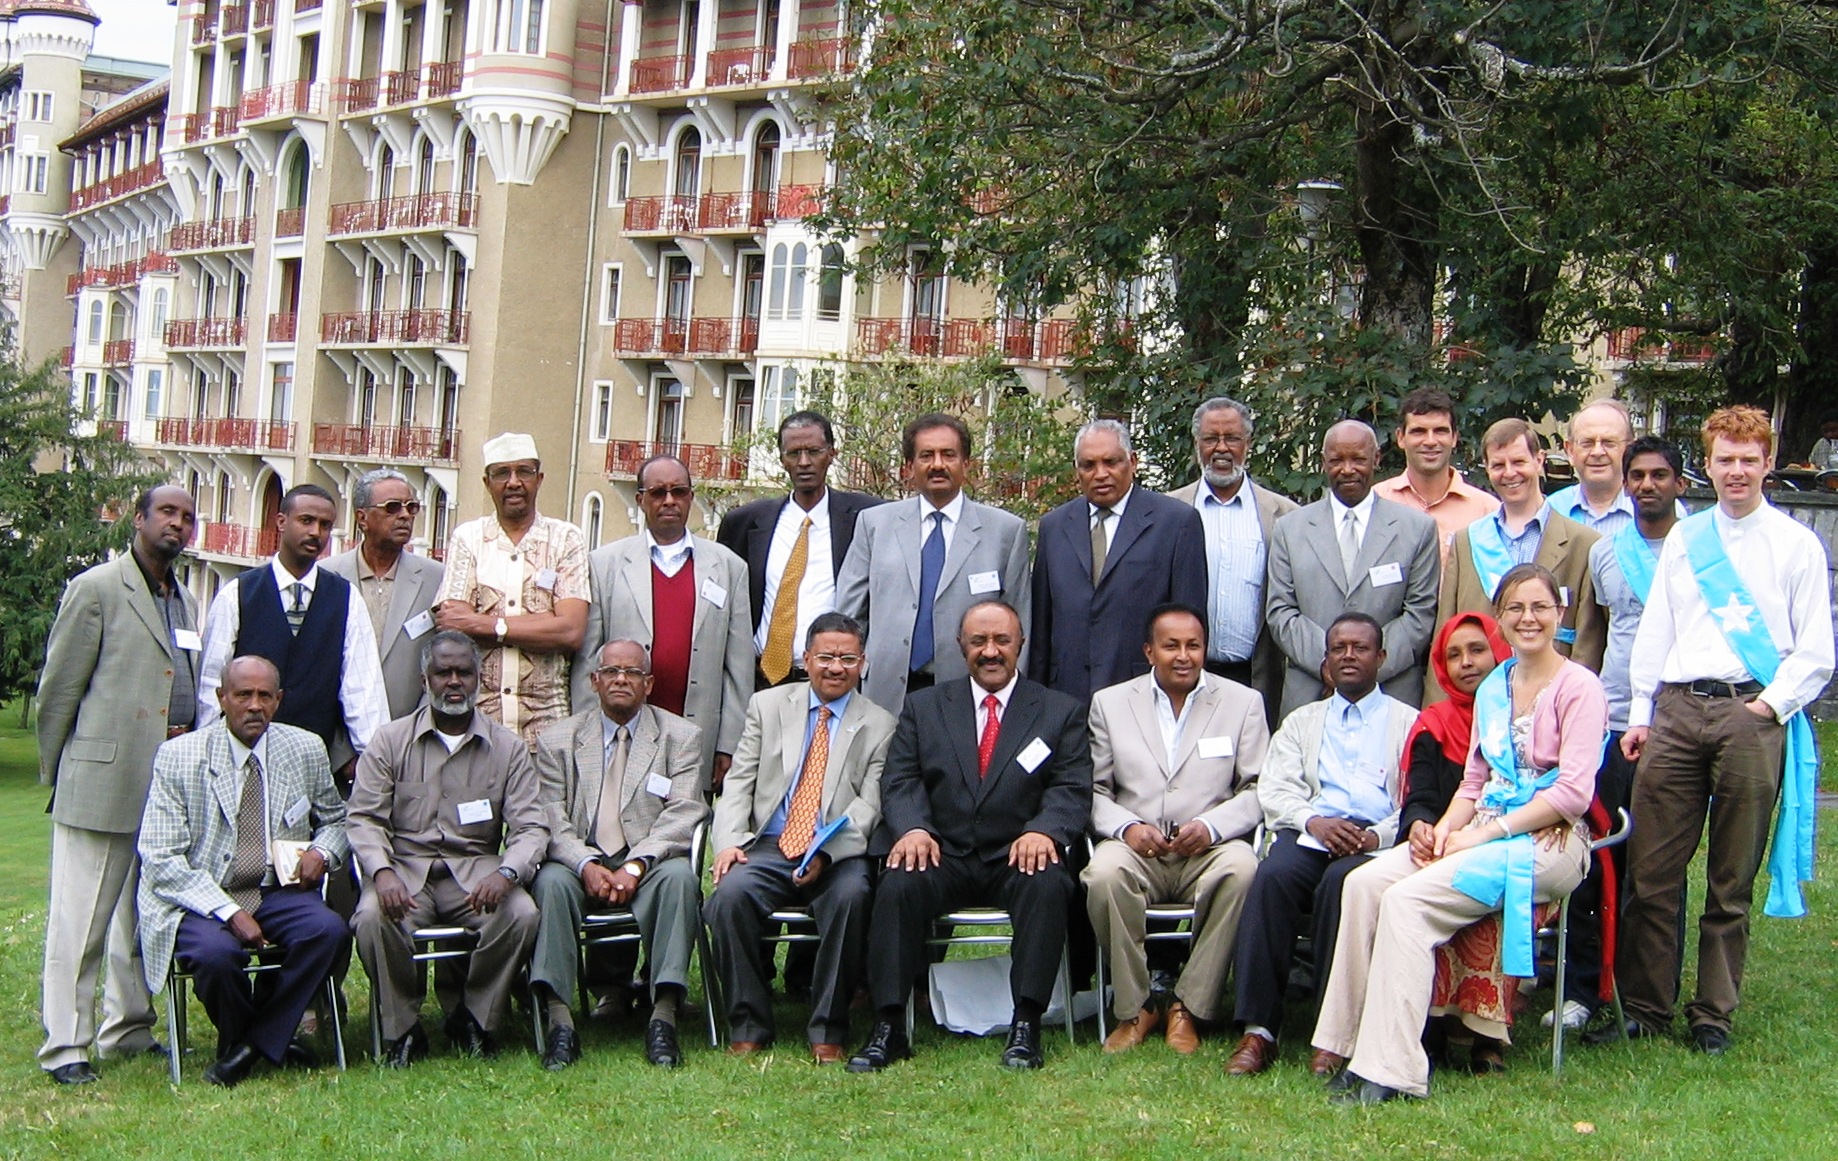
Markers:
<point>801,818</point>
<point>992,726</point>
<point>775,662</point>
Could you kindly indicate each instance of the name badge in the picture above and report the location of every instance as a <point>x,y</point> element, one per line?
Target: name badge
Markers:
<point>1381,575</point>
<point>187,639</point>
<point>658,784</point>
<point>714,594</point>
<point>545,580</point>
<point>1219,747</point>
<point>293,814</point>
<point>1563,595</point>
<point>418,625</point>
<point>986,582</point>
<point>1033,754</point>
<point>478,810</point>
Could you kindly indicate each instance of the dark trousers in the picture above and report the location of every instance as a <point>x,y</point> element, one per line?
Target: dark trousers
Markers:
<point>1583,966</point>
<point>1705,756</point>
<point>906,903</point>
<point>264,1015</point>
<point>840,902</point>
<point>1326,931</point>
<point>1289,880</point>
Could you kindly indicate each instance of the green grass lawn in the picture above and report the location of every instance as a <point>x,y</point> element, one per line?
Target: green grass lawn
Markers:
<point>1771,1097</point>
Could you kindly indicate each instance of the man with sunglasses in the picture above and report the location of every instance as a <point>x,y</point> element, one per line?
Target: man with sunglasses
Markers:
<point>685,597</point>
<point>398,588</point>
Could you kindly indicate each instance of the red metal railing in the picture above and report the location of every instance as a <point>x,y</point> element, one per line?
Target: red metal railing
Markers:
<point>722,336</point>
<point>67,358</point>
<point>284,100</point>
<point>740,66</point>
<point>160,262</point>
<point>377,442</point>
<point>671,214</point>
<point>705,461</point>
<point>234,20</point>
<point>282,327</point>
<point>116,429</point>
<point>358,93</point>
<point>307,5</point>
<point>1632,343</point>
<point>720,212</point>
<point>659,74</point>
<point>120,185</point>
<point>424,325</point>
<point>799,201</point>
<point>950,338</point>
<point>638,336</point>
<point>233,434</point>
<point>444,77</point>
<point>263,14</point>
<point>820,58</point>
<point>239,540</point>
<point>206,332</point>
<point>120,274</point>
<point>117,352</point>
<point>441,210</point>
<point>224,120</point>
<point>190,127</point>
<point>214,234</point>
<point>290,222</point>
<point>202,31</point>
<point>403,86</point>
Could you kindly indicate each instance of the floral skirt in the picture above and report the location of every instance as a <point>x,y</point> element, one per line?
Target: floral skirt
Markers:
<point>1469,982</point>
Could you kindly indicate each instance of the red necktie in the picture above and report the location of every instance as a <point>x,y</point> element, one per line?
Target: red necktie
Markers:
<point>992,725</point>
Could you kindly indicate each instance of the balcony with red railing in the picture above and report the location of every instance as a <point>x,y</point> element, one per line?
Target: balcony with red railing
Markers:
<point>948,338</point>
<point>120,185</point>
<point>223,539</point>
<point>199,333</point>
<point>106,277</point>
<point>1636,343</point>
<point>160,262</point>
<point>202,30</point>
<point>402,87</point>
<point>740,66</point>
<point>659,74</point>
<point>234,20</point>
<point>224,120</point>
<point>67,358</point>
<point>215,234</point>
<point>386,442</point>
<point>669,214</point>
<point>443,78</point>
<point>643,336</point>
<point>723,336</point>
<point>798,201</point>
<point>705,461</point>
<point>733,213</point>
<point>245,435</point>
<point>307,5</point>
<point>288,99</point>
<point>358,94</point>
<point>814,59</point>
<point>190,128</point>
<point>290,222</point>
<point>283,327</point>
<point>261,14</point>
<point>117,352</point>
<point>440,210</point>
<point>115,429</point>
<point>428,326</point>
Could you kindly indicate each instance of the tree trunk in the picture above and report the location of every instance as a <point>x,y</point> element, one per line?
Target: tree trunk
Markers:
<point>1394,223</point>
<point>1812,382</point>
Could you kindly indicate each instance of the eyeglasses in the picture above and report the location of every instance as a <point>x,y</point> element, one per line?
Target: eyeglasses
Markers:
<point>397,507</point>
<point>805,454</point>
<point>846,660</point>
<point>502,473</point>
<point>668,492</point>
<point>1601,443</point>
<point>1537,608</point>
<point>628,672</point>
<point>1212,441</point>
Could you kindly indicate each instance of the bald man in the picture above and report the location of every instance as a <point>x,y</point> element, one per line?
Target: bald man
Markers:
<point>1597,441</point>
<point>1351,551</point>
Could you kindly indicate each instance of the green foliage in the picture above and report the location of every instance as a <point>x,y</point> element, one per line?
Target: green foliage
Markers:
<point>65,497</point>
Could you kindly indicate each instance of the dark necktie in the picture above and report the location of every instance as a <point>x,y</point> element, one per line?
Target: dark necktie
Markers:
<point>931,567</point>
<point>296,616</point>
<point>249,863</point>
<point>1100,544</point>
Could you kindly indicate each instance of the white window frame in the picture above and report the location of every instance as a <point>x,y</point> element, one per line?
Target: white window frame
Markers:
<point>600,419</point>
<point>37,105</point>
<point>612,285</point>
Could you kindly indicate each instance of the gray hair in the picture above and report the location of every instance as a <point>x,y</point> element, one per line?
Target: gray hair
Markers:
<point>1361,424</point>
<point>1115,427</point>
<point>639,645</point>
<point>449,637</point>
<point>1223,403</point>
<point>1606,404</point>
<point>834,622</point>
<point>366,483</point>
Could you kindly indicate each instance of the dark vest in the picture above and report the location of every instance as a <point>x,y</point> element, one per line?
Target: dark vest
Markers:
<point>312,664</point>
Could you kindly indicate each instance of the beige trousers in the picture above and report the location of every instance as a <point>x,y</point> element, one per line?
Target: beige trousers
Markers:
<point>92,937</point>
<point>1120,884</point>
<point>1393,917</point>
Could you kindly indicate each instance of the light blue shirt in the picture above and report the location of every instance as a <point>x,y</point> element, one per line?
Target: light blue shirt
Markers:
<point>1569,502</point>
<point>1355,766</point>
<point>1624,609</point>
<point>1235,556</point>
<point>1523,548</point>
<point>840,706</point>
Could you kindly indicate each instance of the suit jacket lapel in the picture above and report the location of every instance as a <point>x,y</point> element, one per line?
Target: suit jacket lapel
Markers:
<point>590,772</point>
<point>1143,703</point>
<point>1553,544</point>
<point>1266,511</point>
<point>959,712</point>
<point>635,569</point>
<point>226,776</point>
<point>842,530</point>
<point>140,599</point>
<point>1381,529</point>
<point>1079,542</point>
<point>640,756</point>
<point>841,750</point>
<point>963,543</point>
<point>1326,544</point>
<point>1199,721</point>
<point>794,712</point>
<point>910,535</point>
<point>702,560</point>
<point>1017,730</point>
<point>402,594</point>
<point>1136,520</point>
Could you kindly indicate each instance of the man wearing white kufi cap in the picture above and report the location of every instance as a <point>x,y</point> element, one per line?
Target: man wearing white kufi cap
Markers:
<point>517,584</point>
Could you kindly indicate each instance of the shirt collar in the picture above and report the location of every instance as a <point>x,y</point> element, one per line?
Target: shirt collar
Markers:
<point>239,753</point>
<point>424,724</point>
<point>679,550</point>
<point>365,572</point>
<point>608,727</point>
<point>1363,509</point>
<point>1161,695</point>
<point>1362,709</point>
<point>978,693</point>
<point>283,578</point>
<point>1203,496</point>
<point>954,511</point>
<point>819,513</point>
<point>1580,510</point>
<point>1091,510</point>
<point>838,707</point>
<point>1537,521</point>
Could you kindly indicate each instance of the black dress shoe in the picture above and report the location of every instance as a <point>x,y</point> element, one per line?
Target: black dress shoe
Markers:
<point>886,1045</point>
<point>564,1049</point>
<point>1342,1080</point>
<point>298,1054</point>
<point>232,1069</point>
<point>407,1048</point>
<point>660,1044</point>
<point>1709,1039</point>
<point>1366,1092</point>
<point>1633,1030</point>
<point>1023,1047</point>
<point>467,1036</point>
<point>78,1073</point>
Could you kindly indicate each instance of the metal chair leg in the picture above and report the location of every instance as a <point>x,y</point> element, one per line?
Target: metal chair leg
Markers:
<point>1103,1007</point>
<point>1065,990</point>
<point>338,1024</point>
<point>376,1025</point>
<point>711,984</point>
<point>1557,1003</point>
<point>175,1037</point>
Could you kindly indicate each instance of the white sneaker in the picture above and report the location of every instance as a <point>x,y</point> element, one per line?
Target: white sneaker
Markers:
<point>1575,1016</point>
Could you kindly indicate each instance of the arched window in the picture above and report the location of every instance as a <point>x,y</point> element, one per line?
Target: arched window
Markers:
<point>246,205</point>
<point>293,194</point>
<point>117,321</point>
<point>386,173</point>
<point>424,168</point>
<point>794,281</point>
<point>591,511</point>
<point>469,166</point>
<point>775,290</point>
<point>158,311</point>
<point>829,283</point>
<point>622,174</point>
<point>688,178</point>
<point>766,161</point>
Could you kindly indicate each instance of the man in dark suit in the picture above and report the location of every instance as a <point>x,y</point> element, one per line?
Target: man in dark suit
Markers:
<point>803,536</point>
<point>1101,561</point>
<point>981,813</point>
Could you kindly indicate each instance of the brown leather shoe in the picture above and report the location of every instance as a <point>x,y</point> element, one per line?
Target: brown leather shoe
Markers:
<point>827,1053</point>
<point>1129,1033</point>
<point>745,1047</point>
<point>1183,1034</point>
<point>1252,1056</point>
<point>1324,1063</point>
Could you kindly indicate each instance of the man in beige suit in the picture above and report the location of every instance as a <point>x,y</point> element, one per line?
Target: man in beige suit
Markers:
<point>810,757</point>
<point>1239,517</point>
<point>439,794</point>
<point>120,677</point>
<point>685,598</point>
<point>1175,759</point>
<point>622,793</point>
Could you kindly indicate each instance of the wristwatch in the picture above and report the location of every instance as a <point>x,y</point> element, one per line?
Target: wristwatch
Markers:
<point>509,874</point>
<point>634,868</point>
<point>502,627</point>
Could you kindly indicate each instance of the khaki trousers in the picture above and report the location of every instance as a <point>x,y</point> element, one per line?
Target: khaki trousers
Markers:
<point>92,932</point>
<point>1393,917</point>
<point>1120,884</point>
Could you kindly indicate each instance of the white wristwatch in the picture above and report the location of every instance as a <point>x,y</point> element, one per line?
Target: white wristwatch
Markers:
<point>502,627</point>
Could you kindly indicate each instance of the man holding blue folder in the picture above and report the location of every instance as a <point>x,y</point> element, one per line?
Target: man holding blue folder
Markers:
<point>791,828</point>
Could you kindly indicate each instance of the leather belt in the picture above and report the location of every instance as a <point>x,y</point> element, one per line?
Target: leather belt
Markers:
<point>1703,688</point>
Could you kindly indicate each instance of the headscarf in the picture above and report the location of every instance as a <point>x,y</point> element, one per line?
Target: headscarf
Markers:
<point>1451,722</point>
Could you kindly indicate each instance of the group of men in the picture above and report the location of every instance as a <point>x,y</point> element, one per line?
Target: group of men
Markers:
<point>907,713</point>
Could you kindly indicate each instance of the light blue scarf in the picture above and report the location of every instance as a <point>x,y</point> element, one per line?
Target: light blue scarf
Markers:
<point>1493,560</point>
<point>1637,560</point>
<point>1790,860</point>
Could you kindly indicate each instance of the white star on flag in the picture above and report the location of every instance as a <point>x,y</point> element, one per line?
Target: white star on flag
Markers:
<point>1734,615</point>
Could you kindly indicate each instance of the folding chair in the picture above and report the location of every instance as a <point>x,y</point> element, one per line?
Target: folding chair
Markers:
<point>263,960</point>
<point>984,920</point>
<point>1623,825</point>
<point>432,944</point>
<point>793,924</point>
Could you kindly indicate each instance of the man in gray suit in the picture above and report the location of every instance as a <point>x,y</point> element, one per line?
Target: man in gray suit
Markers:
<point>120,677</point>
<point>1240,518</point>
<point>788,785</point>
<point>685,598</point>
<point>1175,758</point>
<point>399,589</point>
<point>917,566</point>
<point>1352,552</point>
<point>622,792</point>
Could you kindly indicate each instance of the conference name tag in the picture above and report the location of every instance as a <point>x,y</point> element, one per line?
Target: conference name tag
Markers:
<point>545,580</point>
<point>187,639</point>
<point>1563,595</point>
<point>986,582</point>
<point>478,810</point>
<point>658,784</point>
<point>1219,747</point>
<point>1033,754</point>
<point>418,625</point>
<point>714,594</point>
<point>296,812</point>
<point>1390,573</point>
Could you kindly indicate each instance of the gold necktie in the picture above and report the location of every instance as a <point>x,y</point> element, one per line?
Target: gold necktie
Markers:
<point>775,662</point>
<point>801,818</point>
